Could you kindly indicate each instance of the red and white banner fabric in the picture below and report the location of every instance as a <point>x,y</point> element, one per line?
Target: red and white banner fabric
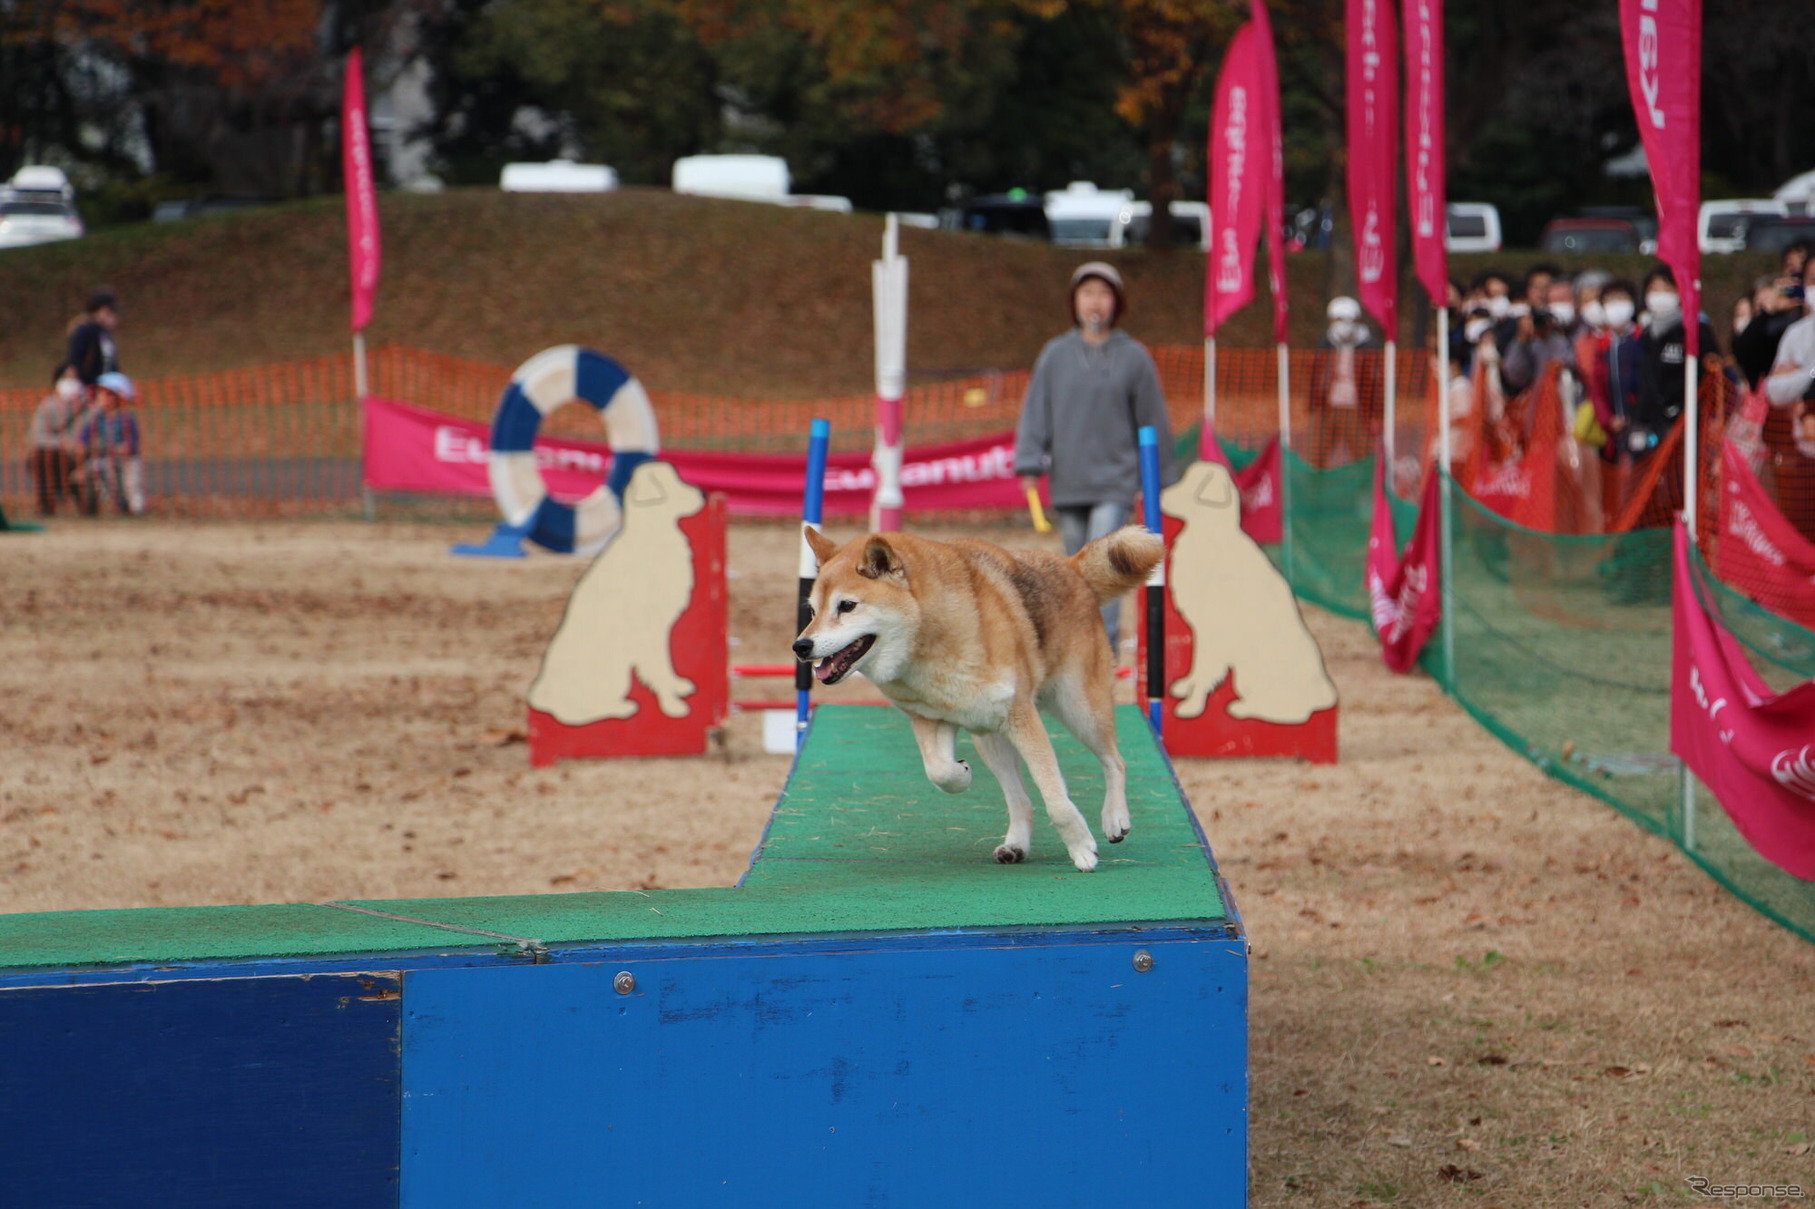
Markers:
<point>410,448</point>
<point>1758,548</point>
<point>1405,594</point>
<point>1240,163</point>
<point>1425,168</point>
<point>1373,132</point>
<point>362,198</point>
<point>1754,749</point>
<point>1263,500</point>
<point>1273,215</point>
<point>1663,44</point>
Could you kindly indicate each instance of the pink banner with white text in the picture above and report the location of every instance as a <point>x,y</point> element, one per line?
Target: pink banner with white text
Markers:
<point>1759,548</point>
<point>1240,162</point>
<point>1754,749</point>
<point>362,198</point>
<point>413,449</point>
<point>1373,133</point>
<point>1405,594</point>
<point>1274,211</point>
<point>1425,170</point>
<point>1263,503</point>
<point>1663,45</point>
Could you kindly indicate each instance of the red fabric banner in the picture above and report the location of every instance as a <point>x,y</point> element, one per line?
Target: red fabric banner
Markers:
<point>1754,749</point>
<point>362,199</point>
<point>1426,189</point>
<point>1274,211</point>
<point>1263,500</point>
<point>1405,594</point>
<point>1373,132</point>
<point>410,448</point>
<point>1663,44</point>
<point>1759,551</point>
<point>1240,162</point>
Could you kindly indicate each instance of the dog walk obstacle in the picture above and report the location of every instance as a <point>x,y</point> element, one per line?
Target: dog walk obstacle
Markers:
<point>876,1015</point>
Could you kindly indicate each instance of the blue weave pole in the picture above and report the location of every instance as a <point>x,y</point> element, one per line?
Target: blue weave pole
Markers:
<point>1156,583</point>
<point>812,513</point>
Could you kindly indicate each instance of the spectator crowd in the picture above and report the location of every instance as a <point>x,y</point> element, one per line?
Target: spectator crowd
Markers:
<point>84,440</point>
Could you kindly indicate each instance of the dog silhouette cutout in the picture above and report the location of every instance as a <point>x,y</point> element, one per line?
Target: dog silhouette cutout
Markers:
<point>1243,616</point>
<point>623,609</point>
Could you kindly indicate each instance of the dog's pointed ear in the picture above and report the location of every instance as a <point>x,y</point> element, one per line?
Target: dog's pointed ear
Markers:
<point>646,488</point>
<point>822,546</point>
<point>880,560</point>
<point>1217,488</point>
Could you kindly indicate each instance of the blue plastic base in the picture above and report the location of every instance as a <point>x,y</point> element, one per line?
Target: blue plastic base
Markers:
<point>506,541</point>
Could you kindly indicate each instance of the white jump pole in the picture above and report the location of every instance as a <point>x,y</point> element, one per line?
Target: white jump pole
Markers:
<point>888,287</point>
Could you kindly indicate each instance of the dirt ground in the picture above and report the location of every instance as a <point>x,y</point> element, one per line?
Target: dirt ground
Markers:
<point>1470,986</point>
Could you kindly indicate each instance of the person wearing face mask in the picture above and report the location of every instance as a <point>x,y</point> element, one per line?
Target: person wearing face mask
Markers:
<point>1346,399</point>
<point>1543,336</point>
<point>1777,303</point>
<point>55,433</point>
<point>1789,441</point>
<point>1659,401</point>
<point>1093,389</point>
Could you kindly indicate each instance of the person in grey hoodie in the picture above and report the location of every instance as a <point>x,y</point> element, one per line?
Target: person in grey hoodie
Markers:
<point>1092,390</point>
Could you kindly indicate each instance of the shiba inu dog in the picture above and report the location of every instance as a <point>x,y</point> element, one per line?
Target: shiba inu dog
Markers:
<point>967,634</point>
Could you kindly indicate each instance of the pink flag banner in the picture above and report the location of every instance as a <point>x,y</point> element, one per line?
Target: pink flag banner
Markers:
<point>1263,507</point>
<point>1240,162</point>
<point>362,198</point>
<point>1274,211</point>
<point>1663,44</point>
<point>1426,188</point>
<point>1373,133</point>
<point>413,449</point>
<point>1759,548</point>
<point>1405,594</point>
<point>1754,749</point>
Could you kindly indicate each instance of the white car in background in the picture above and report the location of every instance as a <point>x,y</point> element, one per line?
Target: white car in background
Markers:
<point>1083,216</point>
<point>1190,225</point>
<point>24,222</point>
<point>1471,227</point>
<point>1721,224</point>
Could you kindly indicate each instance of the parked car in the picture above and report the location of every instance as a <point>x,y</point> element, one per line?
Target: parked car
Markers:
<point>1577,235</point>
<point>1190,224</point>
<point>748,177</point>
<point>1775,232</point>
<point>557,176</point>
<point>1471,227</point>
<point>1083,216</point>
<point>1721,225</point>
<point>39,182</point>
<point>31,221</point>
<point>1643,221</point>
<point>1015,213</point>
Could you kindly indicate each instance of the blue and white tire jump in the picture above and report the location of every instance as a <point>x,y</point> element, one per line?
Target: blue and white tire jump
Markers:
<point>547,381</point>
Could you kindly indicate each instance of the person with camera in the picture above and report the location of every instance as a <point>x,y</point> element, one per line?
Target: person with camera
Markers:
<point>1546,333</point>
<point>1789,433</point>
<point>1777,303</point>
<point>1346,398</point>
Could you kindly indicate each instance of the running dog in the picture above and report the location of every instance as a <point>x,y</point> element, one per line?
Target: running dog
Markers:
<point>967,634</point>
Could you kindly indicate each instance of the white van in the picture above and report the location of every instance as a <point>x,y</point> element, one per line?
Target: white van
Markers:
<point>1471,227</point>
<point>750,177</point>
<point>557,176</point>
<point>39,182</point>
<point>1084,216</point>
<point>1721,224</point>
<point>1190,225</point>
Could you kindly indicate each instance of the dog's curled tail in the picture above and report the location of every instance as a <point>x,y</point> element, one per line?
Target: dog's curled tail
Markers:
<point>1117,564</point>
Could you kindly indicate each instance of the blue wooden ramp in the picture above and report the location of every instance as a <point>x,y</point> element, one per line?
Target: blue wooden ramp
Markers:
<point>878,1015</point>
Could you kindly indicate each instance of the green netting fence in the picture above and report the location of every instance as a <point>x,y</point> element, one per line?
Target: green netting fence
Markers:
<point>1561,647</point>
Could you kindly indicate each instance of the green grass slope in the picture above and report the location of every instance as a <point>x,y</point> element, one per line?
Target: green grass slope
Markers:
<point>692,294</point>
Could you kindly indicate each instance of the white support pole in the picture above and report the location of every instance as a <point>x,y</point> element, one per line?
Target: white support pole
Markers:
<point>1389,436</point>
<point>888,285</point>
<point>1283,372</point>
<point>1691,480</point>
<point>361,387</point>
<point>1205,434</point>
<point>1446,536</point>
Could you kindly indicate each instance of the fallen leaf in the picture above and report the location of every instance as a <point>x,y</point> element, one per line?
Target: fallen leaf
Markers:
<point>1434,1060</point>
<point>1734,1051</point>
<point>1467,1144</point>
<point>1457,1175</point>
<point>1398,1139</point>
<point>1800,1148</point>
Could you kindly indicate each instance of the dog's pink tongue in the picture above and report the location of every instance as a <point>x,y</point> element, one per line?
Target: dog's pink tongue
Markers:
<point>822,669</point>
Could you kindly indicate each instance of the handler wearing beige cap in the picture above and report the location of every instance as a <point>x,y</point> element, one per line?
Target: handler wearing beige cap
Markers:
<point>1092,390</point>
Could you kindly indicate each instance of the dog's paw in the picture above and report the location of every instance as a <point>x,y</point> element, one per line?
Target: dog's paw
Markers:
<point>957,780</point>
<point>1085,859</point>
<point>1009,854</point>
<point>1116,825</point>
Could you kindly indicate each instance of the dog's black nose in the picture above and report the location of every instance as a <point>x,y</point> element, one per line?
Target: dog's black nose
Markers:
<point>803,648</point>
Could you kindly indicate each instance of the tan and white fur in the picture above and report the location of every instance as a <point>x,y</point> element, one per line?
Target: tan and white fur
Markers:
<point>965,634</point>
<point>621,612</point>
<point>1241,611</point>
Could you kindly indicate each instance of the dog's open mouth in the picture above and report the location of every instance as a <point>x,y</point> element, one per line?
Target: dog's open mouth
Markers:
<point>833,667</point>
